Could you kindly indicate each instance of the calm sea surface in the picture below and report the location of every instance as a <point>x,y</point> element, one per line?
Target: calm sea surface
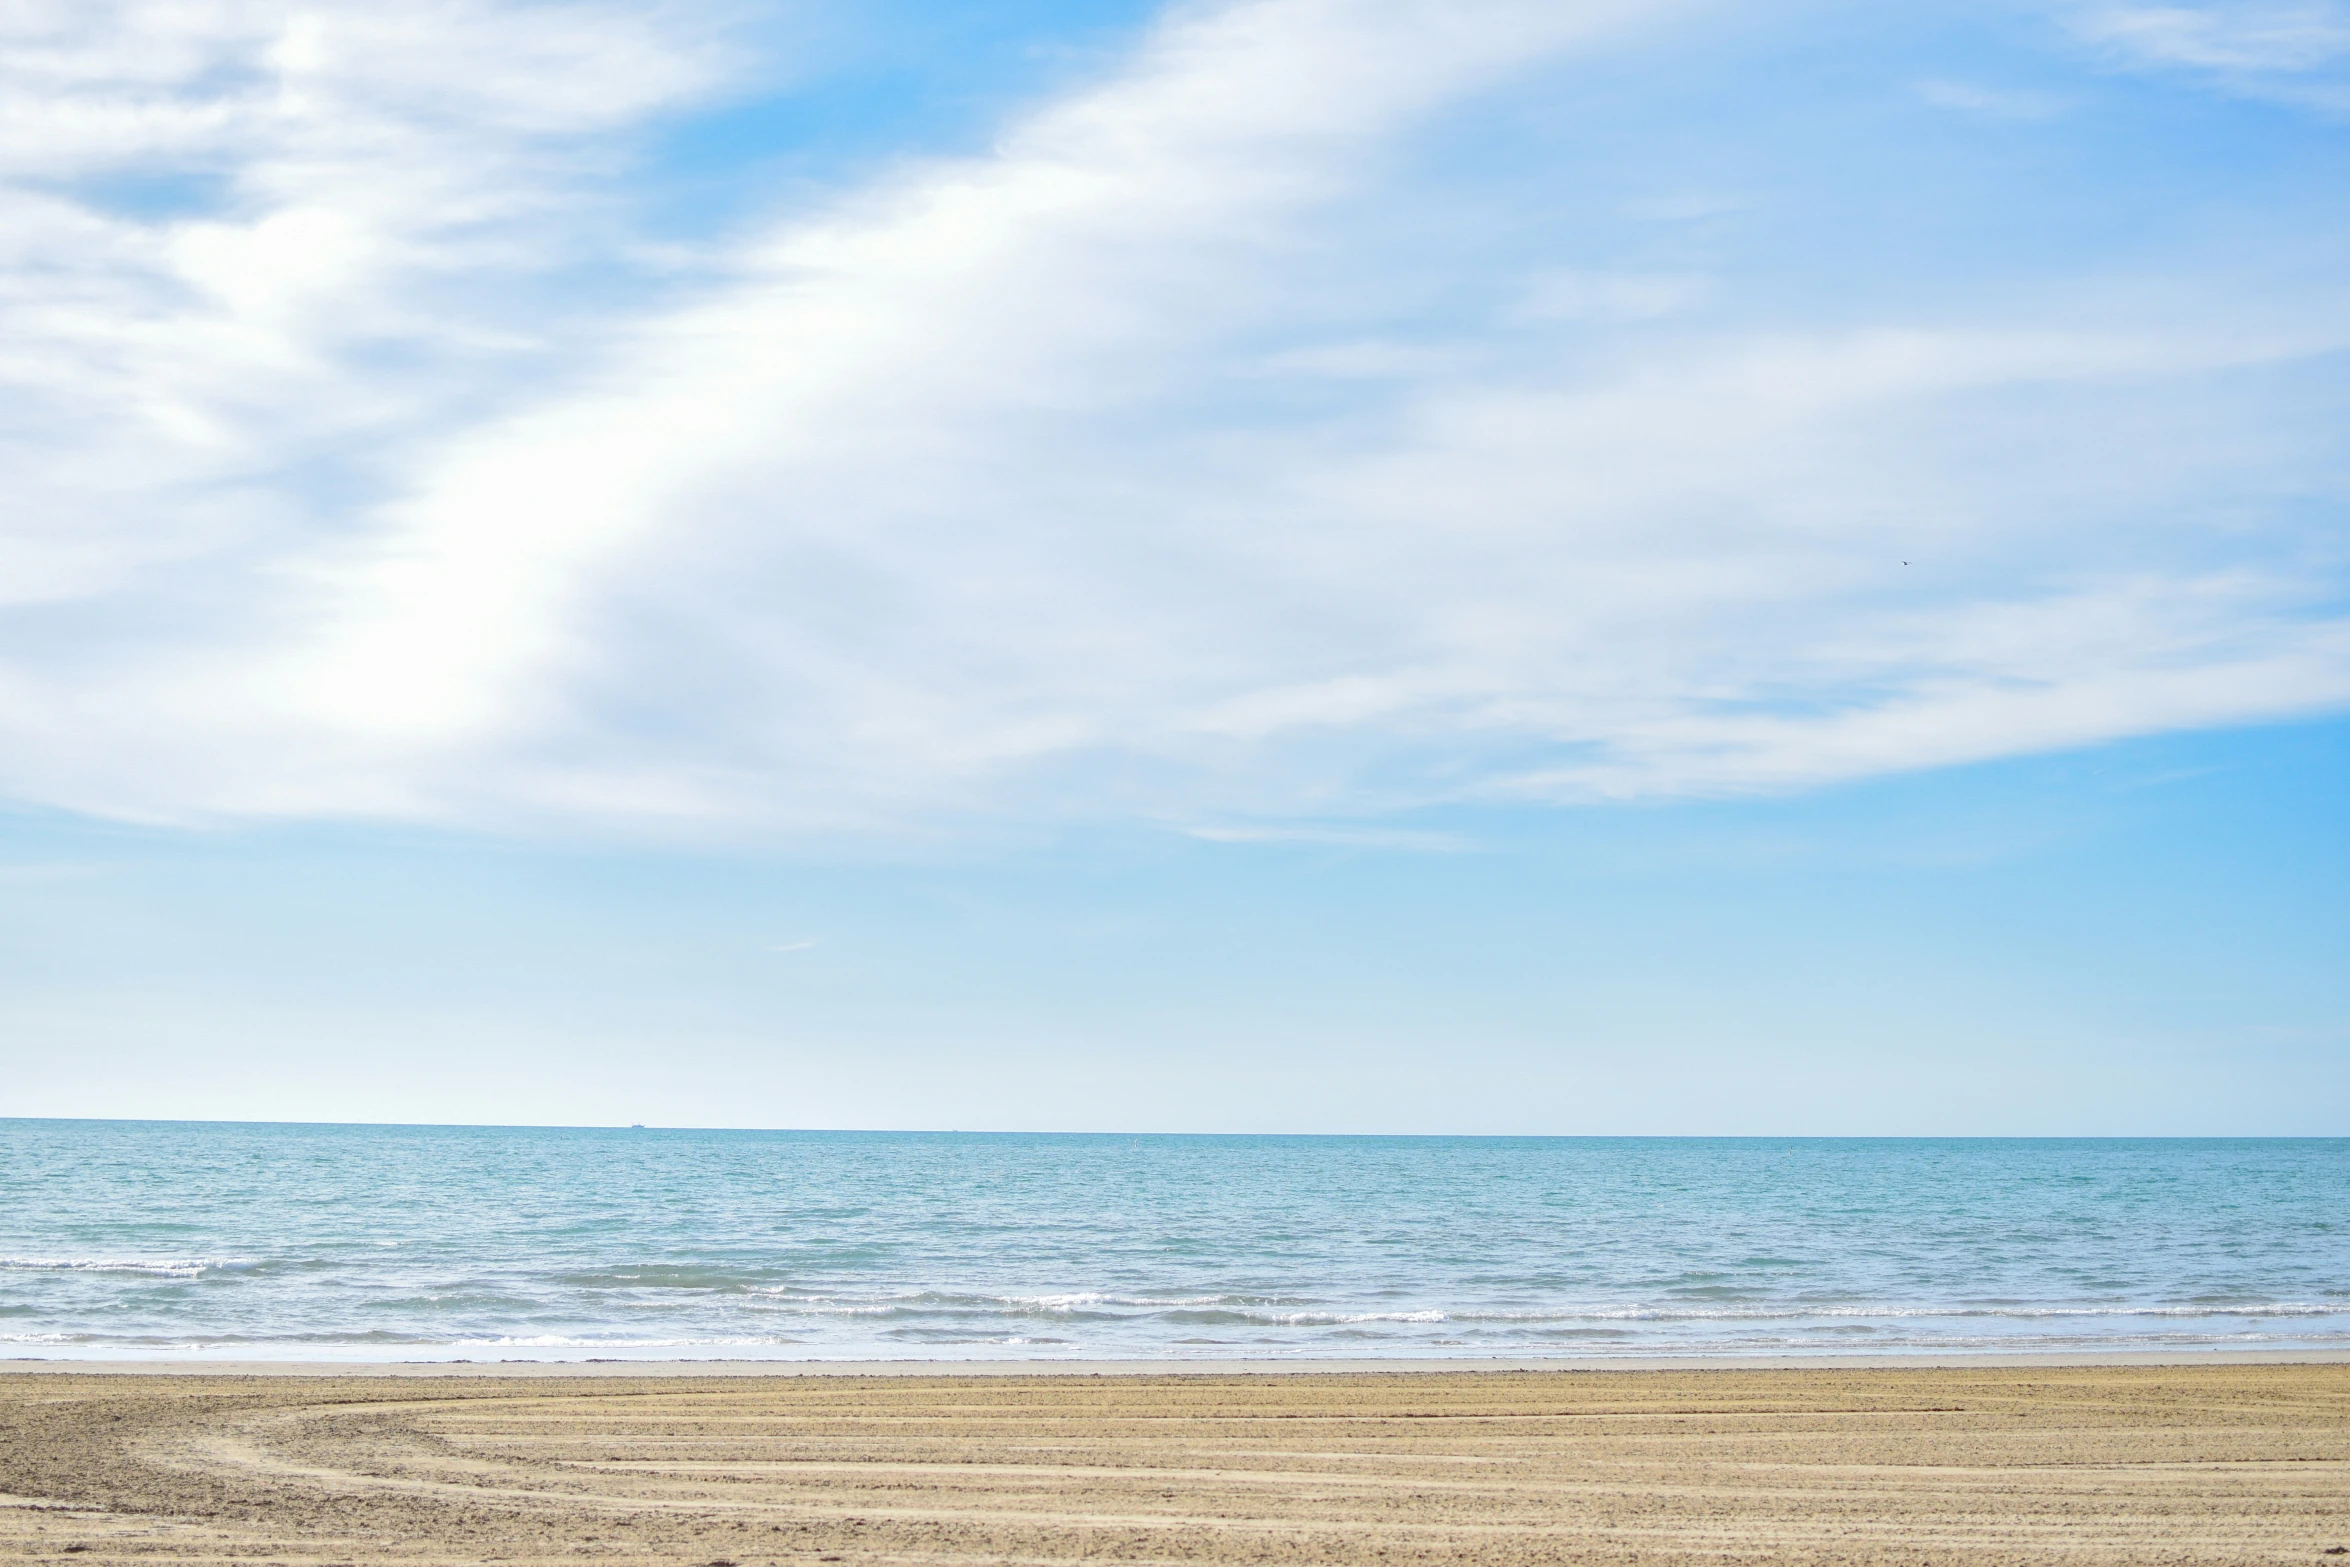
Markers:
<point>134,1239</point>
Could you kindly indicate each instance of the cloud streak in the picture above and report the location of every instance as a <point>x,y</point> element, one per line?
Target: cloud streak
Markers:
<point>2297,53</point>
<point>1151,463</point>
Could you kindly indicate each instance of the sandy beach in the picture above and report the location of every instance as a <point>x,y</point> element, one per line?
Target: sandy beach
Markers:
<point>1992,1464</point>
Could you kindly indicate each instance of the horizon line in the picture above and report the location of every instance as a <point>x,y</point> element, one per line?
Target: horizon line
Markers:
<point>920,1131</point>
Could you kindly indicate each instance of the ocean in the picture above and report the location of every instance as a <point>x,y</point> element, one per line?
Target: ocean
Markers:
<point>164,1240</point>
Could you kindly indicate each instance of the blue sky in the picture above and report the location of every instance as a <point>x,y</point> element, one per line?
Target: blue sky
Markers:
<point>1294,565</point>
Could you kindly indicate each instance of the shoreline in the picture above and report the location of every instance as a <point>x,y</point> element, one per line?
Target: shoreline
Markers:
<point>1988,1360</point>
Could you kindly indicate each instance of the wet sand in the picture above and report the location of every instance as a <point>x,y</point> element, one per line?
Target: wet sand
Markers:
<point>2136,1464</point>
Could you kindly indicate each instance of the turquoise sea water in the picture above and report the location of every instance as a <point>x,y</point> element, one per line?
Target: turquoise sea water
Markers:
<point>132,1239</point>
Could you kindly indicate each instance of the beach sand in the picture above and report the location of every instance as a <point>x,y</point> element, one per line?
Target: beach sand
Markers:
<point>2055,1463</point>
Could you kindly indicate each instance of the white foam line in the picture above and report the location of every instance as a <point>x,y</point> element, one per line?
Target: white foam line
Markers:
<point>156,1267</point>
<point>1367,1365</point>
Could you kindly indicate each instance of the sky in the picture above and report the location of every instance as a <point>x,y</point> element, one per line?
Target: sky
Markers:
<point>1430,566</point>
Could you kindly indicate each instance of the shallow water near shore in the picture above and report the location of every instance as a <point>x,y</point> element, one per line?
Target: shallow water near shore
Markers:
<point>126,1240</point>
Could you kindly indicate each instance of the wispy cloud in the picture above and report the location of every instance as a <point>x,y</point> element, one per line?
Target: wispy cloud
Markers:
<point>1611,296</point>
<point>1321,836</point>
<point>1136,465</point>
<point>1997,103</point>
<point>242,237</point>
<point>2293,51</point>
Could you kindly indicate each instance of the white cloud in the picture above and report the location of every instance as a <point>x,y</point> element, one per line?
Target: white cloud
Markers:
<point>1611,296</point>
<point>1997,103</point>
<point>241,236</point>
<point>2291,51</point>
<point>1311,836</point>
<point>2256,37</point>
<point>1116,470</point>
